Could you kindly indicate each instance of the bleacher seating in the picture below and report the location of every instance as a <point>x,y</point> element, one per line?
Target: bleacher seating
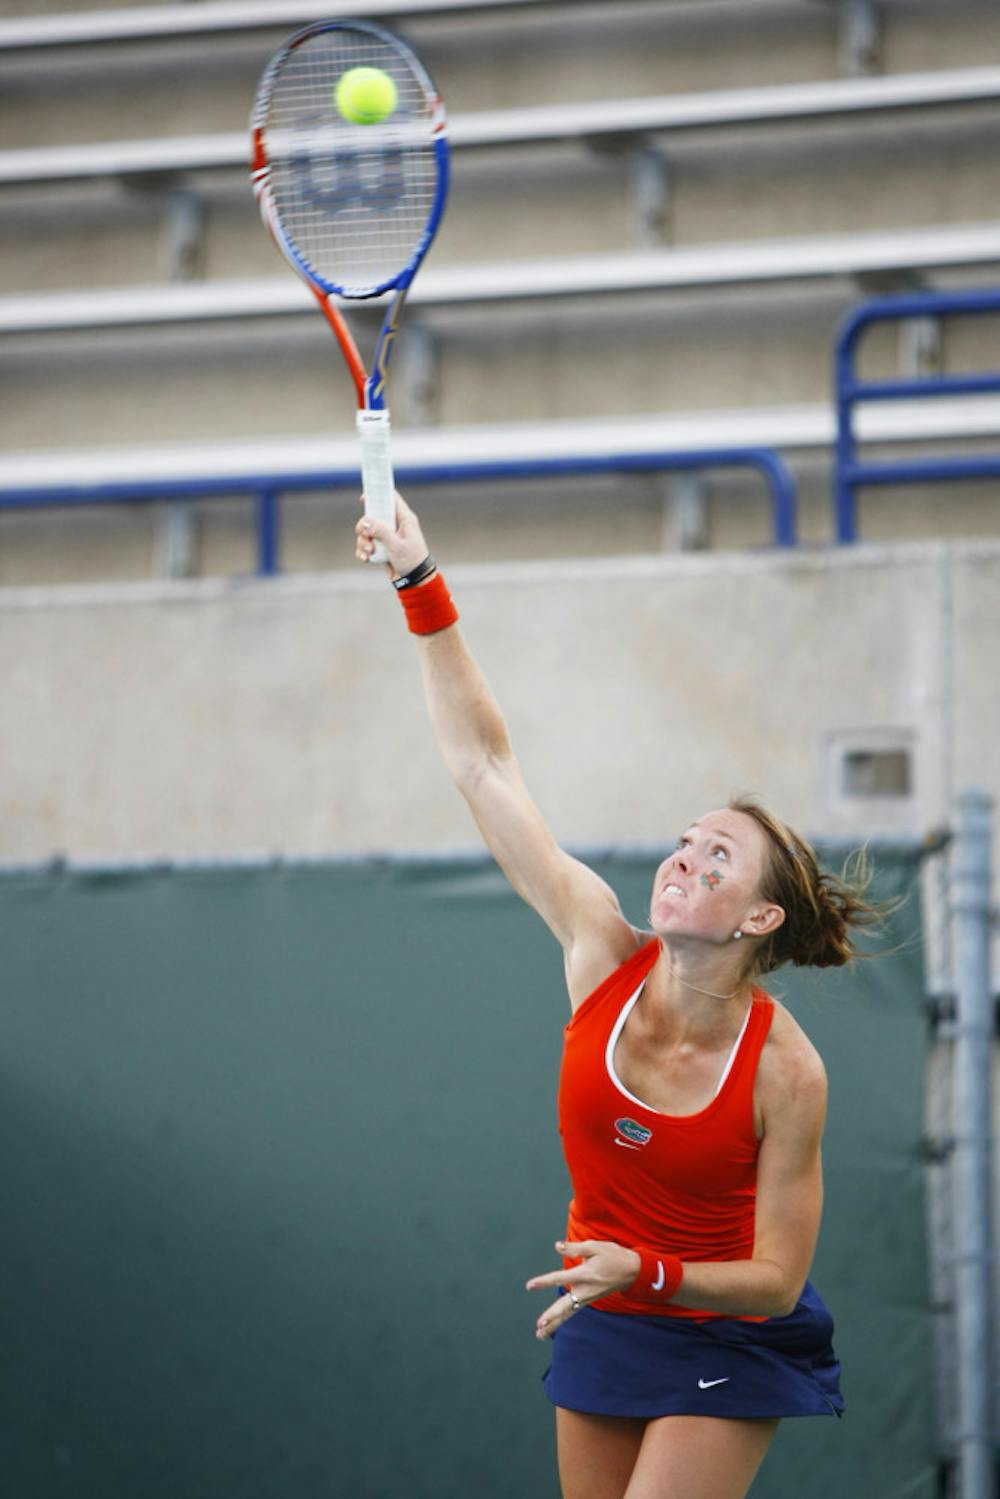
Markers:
<point>216,18</point>
<point>792,429</point>
<point>670,270</point>
<point>606,120</point>
<point>505,283</point>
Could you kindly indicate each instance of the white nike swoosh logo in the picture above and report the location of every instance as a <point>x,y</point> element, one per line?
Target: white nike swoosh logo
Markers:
<point>706,1384</point>
<point>625,1145</point>
<point>660,1277</point>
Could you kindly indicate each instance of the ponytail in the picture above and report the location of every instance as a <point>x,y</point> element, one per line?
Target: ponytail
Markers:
<point>822,911</point>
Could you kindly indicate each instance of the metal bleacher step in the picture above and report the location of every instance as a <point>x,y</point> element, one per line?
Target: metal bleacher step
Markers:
<point>600,120</point>
<point>220,18</point>
<point>287,460</point>
<point>827,257</point>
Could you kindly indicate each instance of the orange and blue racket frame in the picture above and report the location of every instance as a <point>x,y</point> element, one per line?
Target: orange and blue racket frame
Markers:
<point>353,207</point>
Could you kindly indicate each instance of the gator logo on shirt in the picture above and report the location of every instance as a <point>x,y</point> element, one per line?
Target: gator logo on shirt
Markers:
<point>636,1135</point>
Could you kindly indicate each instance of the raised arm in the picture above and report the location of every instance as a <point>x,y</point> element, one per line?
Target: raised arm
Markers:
<point>579,908</point>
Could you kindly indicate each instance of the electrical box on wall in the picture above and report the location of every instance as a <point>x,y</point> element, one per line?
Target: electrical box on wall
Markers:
<point>870,777</point>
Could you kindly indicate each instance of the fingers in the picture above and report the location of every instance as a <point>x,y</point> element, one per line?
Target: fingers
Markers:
<point>555,1315</point>
<point>404,543</point>
<point>403,511</point>
<point>367,532</point>
<point>561,1277</point>
<point>376,528</point>
<point>588,1281</point>
<point>364,539</point>
<point>543,1282</point>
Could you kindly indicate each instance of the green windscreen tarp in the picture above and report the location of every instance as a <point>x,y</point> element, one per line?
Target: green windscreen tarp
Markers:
<point>278,1151</point>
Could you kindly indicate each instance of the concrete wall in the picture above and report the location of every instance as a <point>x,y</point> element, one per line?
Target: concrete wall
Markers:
<point>210,719</point>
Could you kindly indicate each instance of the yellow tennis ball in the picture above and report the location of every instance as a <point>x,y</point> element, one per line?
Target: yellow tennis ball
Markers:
<point>365,95</point>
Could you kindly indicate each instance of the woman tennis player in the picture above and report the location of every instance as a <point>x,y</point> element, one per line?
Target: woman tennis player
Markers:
<point>691,1109</point>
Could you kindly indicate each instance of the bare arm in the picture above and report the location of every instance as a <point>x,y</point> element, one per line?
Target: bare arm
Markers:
<point>579,908</point>
<point>789,1206</point>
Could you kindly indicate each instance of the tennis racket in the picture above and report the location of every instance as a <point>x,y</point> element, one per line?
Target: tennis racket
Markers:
<point>352,207</point>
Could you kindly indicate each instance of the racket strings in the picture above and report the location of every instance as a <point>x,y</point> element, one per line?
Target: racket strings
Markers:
<point>355,200</point>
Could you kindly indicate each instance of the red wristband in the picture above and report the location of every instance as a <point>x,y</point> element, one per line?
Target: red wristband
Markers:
<point>429,607</point>
<point>659,1276</point>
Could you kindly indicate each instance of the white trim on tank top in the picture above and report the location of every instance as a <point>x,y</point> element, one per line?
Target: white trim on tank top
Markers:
<point>609,1053</point>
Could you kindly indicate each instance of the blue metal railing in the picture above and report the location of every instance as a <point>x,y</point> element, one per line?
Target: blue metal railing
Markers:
<point>851,474</point>
<point>267,491</point>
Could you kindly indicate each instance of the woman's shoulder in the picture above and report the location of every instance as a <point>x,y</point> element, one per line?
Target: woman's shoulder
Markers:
<point>597,963</point>
<point>789,1059</point>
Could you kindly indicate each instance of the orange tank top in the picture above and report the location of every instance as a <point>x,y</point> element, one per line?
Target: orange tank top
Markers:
<point>679,1184</point>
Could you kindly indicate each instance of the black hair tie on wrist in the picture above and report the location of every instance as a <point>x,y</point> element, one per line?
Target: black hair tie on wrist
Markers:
<point>419,573</point>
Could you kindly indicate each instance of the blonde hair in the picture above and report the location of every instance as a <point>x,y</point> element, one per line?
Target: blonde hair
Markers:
<point>821,909</point>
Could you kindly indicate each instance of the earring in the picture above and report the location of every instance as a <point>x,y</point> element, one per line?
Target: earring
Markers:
<point>737,936</point>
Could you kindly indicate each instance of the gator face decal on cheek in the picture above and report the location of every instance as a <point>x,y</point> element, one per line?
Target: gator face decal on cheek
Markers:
<point>712,879</point>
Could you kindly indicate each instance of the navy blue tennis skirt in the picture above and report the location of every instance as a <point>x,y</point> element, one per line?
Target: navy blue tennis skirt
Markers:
<point>610,1364</point>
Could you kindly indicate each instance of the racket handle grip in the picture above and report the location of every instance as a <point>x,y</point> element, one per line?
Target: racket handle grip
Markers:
<point>376,473</point>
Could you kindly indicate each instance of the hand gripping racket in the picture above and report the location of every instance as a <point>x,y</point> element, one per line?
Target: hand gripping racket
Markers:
<point>353,207</point>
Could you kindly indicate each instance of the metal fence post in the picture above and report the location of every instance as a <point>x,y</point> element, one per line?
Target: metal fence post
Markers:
<point>972,1158</point>
<point>268,536</point>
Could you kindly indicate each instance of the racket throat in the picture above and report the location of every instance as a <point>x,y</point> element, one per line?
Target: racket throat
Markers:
<point>348,347</point>
<point>375,387</point>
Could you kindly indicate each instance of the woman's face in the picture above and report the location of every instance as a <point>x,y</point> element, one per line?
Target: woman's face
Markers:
<point>710,884</point>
